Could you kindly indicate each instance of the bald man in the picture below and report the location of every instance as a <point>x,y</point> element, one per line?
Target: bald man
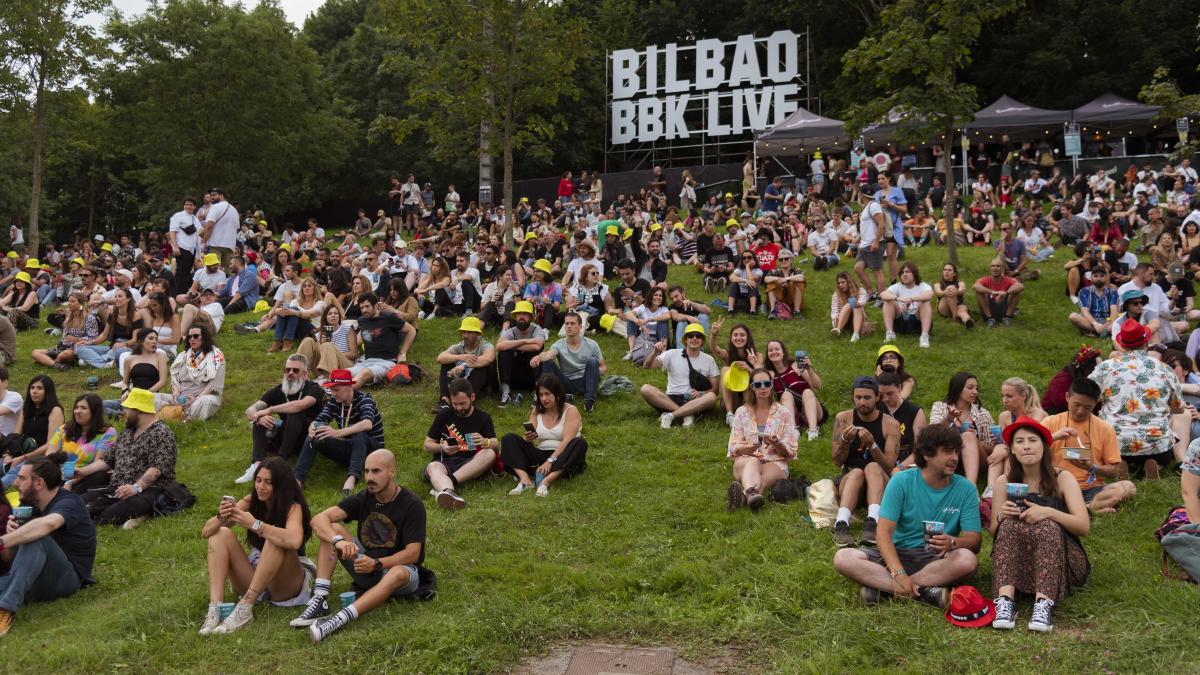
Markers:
<point>382,560</point>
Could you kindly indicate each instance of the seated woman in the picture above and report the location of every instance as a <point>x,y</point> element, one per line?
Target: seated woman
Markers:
<point>796,383</point>
<point>949,291</point>
<point>334,345</point>
<point>86,437</point>
<point>848,306</point>
<point>1036,548</point>
<point>146,367</point>
<point>960,409</point>
<point>546,295</point>
<point>556,428</point>
<point>785,284</point>
<point>398,301</point>
<point>646,324</point>
<point>499,297</point>
<point>79,327</point>
<point>917,228</point>
<point>197,376</point>
<point>158,313</point>
<point>118,331</point>
<point>744,283</point>
<point>437,280</point>
<point>1019,399</point>
<point>762,438</point>
<point>738,353</point>
<point>295,319</point>
<point>20,303</point>
<point>890,360</point>
<point>276,519</point>
<point>589,295</point>
<point>39,416</point>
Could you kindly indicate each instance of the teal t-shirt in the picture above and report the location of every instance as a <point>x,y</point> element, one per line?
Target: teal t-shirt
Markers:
<point>908,500</point>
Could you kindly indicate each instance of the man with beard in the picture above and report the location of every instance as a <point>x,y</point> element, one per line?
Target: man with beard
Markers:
<point>386,340</point>
<point>50,553</point>
<point>929,529</point>
<point>576,360</point>
<point>279,419</point>
<point>142,461</point>
<point>518,344</point>
<point>472,358</point>
<point>865,445</point>
<point>359,431</point>
<point>383,560</point>
<point>220,227</point>
<point>463,443</point>
<point>464,295</point>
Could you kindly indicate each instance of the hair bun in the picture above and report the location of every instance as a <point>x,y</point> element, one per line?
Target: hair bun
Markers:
<point>59,457</point>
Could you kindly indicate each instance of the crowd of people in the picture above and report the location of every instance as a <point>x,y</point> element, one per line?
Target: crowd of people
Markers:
<point>346,310</point>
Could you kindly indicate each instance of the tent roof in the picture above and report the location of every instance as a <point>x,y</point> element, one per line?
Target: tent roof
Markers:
<point>1112,108</point>
<point>1008,112</point>
<point>802,129</point>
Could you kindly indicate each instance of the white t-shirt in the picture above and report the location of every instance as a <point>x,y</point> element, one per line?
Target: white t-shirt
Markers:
<point>452,202</point>
<point>1033,239</point>
<point>456,293</point>
<point>225,229</point>
<point>822,241</point>
<point>985,187</point>
<point>217,313</point>
<point>676,365</point>
<point>401,264</point>
<point>574,265</point>
<point>109,295</point>
<point>186,242</point>
<point>215,280</point>
<point>12,401</point>
<point>818,168</point>
<point>902,292</point>
<point>868,229</point>
<point>1157,298</point>
<point>292,287</point>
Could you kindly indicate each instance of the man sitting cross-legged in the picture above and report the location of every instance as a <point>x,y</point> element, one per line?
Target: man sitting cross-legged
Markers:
<point>906,562</point>
<point>463,443</point>
<point>688,370</point>
<point>383,561</point>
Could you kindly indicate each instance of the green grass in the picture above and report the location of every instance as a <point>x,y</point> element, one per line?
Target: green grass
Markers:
<point>637,550</point>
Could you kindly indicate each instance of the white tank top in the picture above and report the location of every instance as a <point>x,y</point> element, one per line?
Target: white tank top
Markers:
<point>550,437</point>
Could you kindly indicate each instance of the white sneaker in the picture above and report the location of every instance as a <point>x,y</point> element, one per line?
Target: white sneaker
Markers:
<point>813,433</point>
<point>543,490</point>
<point>248,476</point>
<point>924,342</point>
<point>729,419</point>
<point>688,421</point>
<point>212,619</point>
<point>889,336</point>
<point>520,489</point>
<point>117,385</point>
<point>239,618</point>
<point>132,523</point>
<point>854,338</point>
<point>665,419</point>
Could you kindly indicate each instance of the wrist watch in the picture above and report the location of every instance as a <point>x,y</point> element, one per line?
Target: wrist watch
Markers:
<point>378,565</point>
<point>551,459</point>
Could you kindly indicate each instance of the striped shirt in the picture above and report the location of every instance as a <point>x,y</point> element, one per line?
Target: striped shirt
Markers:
<point>362,407</point>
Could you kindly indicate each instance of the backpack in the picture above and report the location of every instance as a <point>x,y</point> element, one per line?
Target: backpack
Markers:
<point>175,497</point>
<point>405,373</point>
<point>1182,544</point>
<point>787,489</point>
<point>781,311</point>
<point>1176,517</point>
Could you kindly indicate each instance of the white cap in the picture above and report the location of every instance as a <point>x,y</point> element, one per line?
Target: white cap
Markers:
<point>98,237</point>
<point>400,243</point>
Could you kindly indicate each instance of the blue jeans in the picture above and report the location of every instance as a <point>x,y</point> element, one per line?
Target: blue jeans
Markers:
<point>681,326</point>
<point>45,294</point>
<point>587,385</point>
<point>96,356</point>
<point>290,328</point>
<point>350,452</point>
<point>40,571</point>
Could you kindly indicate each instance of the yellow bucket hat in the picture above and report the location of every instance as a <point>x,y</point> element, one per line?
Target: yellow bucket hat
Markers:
<point>737,379</point>
<point>607,321</point>
<point>523,306</point>
<point>140,400</point>
<point>543,265</point>
<point>212,259</point>
<point>106,247</point>
<point>471,324</point>
<point>694,328</point>
<point>33,264</point>
<point>23,276</point>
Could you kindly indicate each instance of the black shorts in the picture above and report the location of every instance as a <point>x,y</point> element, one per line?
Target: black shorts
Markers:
<point>1090,493</point>
<point>907,324</point>
<point>451,462</point>
<point>1137,463</point>
<point>913,560</point>
<point>678,399</point>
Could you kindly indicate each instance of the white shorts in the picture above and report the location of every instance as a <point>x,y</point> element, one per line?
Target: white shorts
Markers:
<point>379,368</point>
<point>306,587</point>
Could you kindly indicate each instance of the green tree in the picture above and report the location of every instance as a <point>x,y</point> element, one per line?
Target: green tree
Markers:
<point>45,47</point>
<point>494,70</point>
<point>911,61</point>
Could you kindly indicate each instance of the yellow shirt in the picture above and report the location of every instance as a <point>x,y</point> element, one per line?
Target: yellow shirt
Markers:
<point>1094,434</point>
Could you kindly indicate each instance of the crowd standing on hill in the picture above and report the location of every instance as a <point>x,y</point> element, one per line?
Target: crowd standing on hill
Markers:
<point>530,291</point>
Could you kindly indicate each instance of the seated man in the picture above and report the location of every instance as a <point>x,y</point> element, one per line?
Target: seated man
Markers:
<point>210,276</point>
<point>384,560</point>
<point>518,345</point>
<point>906,562</point>
<point>579,361</point>
<point>240,292</point>
<point>464,294</point>
<point>49,555</point>
<point>141,461</point>
<point>718,262</point>
<point>206,312</point>
<point>1086,447</point>
<point>998,295</point>
<point>906,305</point>
<point>280,418</point>
<point>463,443</point>
<point>689,369</point>
<point>471,358</point>
<point>1099,304</point>
<point>360,430</point>
<point>866,443</point>
<point>386,340</point>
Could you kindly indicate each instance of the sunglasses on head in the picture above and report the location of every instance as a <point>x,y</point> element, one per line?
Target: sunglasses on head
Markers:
<point>761,384</point>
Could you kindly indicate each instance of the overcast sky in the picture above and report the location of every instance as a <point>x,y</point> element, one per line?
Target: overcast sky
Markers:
<point>295,10</point>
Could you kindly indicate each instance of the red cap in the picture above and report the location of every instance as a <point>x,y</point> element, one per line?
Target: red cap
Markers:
<point>969,609</point>
<point>339,377</point>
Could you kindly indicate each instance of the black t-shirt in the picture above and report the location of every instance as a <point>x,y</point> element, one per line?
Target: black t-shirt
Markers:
<point>275,396</point>
<point>704,243</point>
<point>381,336</point>
<point>713,257</point>
<point>450,427</point>
<point>386,529</point>
<point>77,536</point>
<point>658,270</point>
<point>860,456</point>
<point>639,287</point>
<point>1185,287</point>
<point>906,415</point>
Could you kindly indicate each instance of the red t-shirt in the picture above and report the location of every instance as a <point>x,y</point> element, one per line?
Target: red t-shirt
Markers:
<point>1001,284</point>
<point>767,254</point>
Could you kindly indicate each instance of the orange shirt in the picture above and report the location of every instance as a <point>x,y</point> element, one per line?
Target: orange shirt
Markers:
<point>1094,434</point>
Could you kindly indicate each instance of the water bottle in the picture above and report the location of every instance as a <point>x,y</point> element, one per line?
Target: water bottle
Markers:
<point>274,430</point>
<point>466,370</point>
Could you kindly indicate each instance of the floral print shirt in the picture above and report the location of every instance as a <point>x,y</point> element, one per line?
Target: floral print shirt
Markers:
<point>780,423</point>
<point>1137,394</point>
<point>1191,461</point>
<point>130,456</point>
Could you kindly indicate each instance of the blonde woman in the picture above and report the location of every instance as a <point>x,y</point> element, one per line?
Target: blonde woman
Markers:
<point>334,344</point>
<point>1019,398</point>
<point>438,279</point>
<point>762,439</point>
<point>295,319</point>
<point>848,306</point>
<point>80,327</point>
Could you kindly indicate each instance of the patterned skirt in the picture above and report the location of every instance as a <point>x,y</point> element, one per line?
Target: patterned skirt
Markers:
<point>1037,558</point>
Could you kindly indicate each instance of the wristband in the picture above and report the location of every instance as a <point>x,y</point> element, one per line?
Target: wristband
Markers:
<point>137,488</point>
<point>336,539</point>
<point>898,573</point>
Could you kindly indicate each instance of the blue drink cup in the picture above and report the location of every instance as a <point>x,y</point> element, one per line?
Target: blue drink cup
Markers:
<point>68,470</point>
<point>347,598</point>
<point>22,514</point>
<point>996,431</point>
<point>470,441</point>
<point>92,382</point>
<point>226,608</point>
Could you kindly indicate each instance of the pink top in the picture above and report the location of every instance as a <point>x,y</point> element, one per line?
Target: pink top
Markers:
<point>780,423</point>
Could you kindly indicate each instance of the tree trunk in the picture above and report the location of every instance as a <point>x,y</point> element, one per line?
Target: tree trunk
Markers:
<point>948,205</point>
<point>39,135</point>
<point>91,202</point>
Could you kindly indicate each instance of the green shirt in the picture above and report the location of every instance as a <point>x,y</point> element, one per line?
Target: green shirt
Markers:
<point>908,501</point>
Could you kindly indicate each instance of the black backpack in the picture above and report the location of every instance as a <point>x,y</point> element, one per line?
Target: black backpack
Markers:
<point>788,489</point>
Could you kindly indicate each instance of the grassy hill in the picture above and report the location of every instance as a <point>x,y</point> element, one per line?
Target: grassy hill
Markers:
<point>638,550</point>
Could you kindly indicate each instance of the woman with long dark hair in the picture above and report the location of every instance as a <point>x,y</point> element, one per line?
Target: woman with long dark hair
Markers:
<point>122,322</point>
<point>276,519</point>
<point>85,438</point>
<point>1036,548</point>
<point>40,415</point>
<point>197,376</point>
<point>961,409</point>
<point>20,303</point>
<point>889,360</point>
<point>159,314</point>
<point>796,383</point>
<point>738,353</point>
<point>552,445</point>
<point>333,346</point>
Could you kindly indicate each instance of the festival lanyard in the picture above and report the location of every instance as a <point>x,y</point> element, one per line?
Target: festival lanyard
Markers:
<point>346,412</point>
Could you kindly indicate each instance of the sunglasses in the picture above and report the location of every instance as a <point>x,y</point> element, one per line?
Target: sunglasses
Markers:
<point>287,370</point>
<point>194,336</point>
<point>761,384</point>
<point>695,335</point>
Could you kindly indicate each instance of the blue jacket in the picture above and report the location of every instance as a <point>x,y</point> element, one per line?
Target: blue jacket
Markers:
<point>247,285</point>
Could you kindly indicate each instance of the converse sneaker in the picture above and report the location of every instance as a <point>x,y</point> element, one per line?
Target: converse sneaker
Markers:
<point>1041,620</point>
<point>1006,615</point>
<point>869,595</point>
<point>239,618</point>
<point>521,488</point>
<point>923,342</point>
<point>324,628</point>
<point>317,608</point>
<point>543,490</point>
<point>449,499</point>
<point>689,421</point>
<point>813,434</point>
<point>505,399</point>
<point>212,619</point>
<point>248,475</point>
<point>938,596</point>
<point>665,419</point>
<point>889,336</point>
<point>854,338</point>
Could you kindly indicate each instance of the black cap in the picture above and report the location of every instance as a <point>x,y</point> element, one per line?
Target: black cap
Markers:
<point>866,382</point>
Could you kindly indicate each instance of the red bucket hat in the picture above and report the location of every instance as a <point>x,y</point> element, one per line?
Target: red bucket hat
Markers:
<point>1132,335</point>
<point>969,609</point>
<point>338,377</point>
<point>1024,422</point>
